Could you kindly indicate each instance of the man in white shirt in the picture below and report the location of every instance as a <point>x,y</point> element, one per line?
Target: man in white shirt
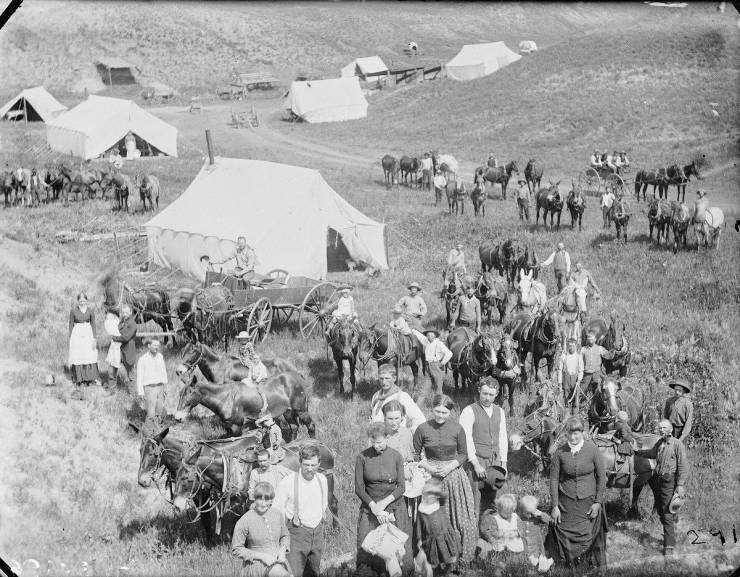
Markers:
<point>437,356</point>
<point>303,498</point>
<point>413,306</point>
<point>570,374</point>
<point>560,259</point>
<point>388,392</point>
<point>427,168</point>
<point>596,159</point>
<point>440,182</point>
<point>151,378</point>
<point>484,424</point>
<point>607,202</point>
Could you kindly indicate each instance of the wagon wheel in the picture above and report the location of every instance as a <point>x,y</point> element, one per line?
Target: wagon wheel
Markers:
<point>278,274</point>
<point>614,183</point>
<point>260,320</point>
<point>589,181</point>
<point>316,309</point>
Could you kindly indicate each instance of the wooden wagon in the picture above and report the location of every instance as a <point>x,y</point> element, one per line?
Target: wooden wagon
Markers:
<point>595,182</point>
<point>279,297</point>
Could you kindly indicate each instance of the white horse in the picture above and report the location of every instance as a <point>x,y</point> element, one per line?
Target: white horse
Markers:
<point>532,293</point>
<point>707,232</point>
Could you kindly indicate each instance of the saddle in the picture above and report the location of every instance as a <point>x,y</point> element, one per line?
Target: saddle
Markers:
<point>400,344</point>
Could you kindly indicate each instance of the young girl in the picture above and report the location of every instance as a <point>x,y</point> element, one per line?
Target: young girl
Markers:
<point>532,519</point>
<point>438,544</point>
<point>502,531</point>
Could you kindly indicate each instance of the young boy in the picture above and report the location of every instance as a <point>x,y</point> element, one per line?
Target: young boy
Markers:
<point>345,308</point>
<point>532,519</point>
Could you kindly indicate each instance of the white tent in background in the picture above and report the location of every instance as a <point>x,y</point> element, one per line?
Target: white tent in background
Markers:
<point>527,46</point>
<point>363,66</point>
<point>97,124</point>
<point>329,100</point>
<point>285,212</point>
<point>478,60</point>
<point>34,103</point>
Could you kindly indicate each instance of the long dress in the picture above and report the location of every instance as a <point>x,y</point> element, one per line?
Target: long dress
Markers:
<point>378,475</point>
<point>443,443</point>
<point>83,352</point>
<point>255,533</point>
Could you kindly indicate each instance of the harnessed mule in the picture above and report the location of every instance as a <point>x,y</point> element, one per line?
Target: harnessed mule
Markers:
<point>532,293</point>
<point>508,373</point>
<point>491,292</point>
<point>610,398</point>
<point>549,200</point>
<point>499,174</point>
<point>451,296</point>
<point>344,342</point>
<point>680,219</point>
<point>538,336</point>
<point>576,206</point>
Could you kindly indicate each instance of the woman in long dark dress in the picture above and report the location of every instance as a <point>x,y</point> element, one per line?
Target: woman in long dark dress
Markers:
<point>83,348</point>
<point>380,483</point>
<point>577,537</point>
<point>445,451</point>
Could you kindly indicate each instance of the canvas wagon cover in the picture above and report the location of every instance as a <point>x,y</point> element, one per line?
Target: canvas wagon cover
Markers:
<point>478,60</point>
<point>329,100</point>
<point>368,65</point>
<point>283,211</point>
<point>96,124</point>
<point>42,102</point>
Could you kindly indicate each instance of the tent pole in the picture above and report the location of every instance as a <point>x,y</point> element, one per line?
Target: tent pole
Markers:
<point>25,110</point>
<point>209,144</point>
<point>110,80</point>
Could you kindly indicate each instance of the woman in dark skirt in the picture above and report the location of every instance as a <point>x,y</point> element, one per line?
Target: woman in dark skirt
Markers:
<point>83,348</point>
<point>445,451</point>
<point>380,484</point>
<point>577,537</point>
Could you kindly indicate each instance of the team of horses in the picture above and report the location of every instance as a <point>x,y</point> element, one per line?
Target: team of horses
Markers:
<point>32,187</point>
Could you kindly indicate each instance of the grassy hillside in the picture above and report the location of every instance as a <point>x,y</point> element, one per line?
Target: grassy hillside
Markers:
<point>198,46</point>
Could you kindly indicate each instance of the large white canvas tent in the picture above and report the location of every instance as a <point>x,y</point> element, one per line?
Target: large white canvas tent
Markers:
<point>329,100</point>
<point>477,60</point>
<point>371,65</point>
<point>34,105</point>
<point>97,124</point>
<point>285,213</point>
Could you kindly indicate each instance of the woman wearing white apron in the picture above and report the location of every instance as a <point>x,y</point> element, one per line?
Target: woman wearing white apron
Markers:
<point>114,350</point>
<point>83,349</point>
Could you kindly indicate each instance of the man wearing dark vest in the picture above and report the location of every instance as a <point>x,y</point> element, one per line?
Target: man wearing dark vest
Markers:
<point>485,432</point>
<point>560,259</point>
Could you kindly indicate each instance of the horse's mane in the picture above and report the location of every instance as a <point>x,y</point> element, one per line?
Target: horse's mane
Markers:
<point>280,365</point>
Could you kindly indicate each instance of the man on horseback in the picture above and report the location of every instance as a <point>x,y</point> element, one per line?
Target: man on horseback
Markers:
<point>401,326</point>
<point>468,310</point>
<point>345,310</point>
<point>412,306</point>
<point>592,357</point>
<point>561,261</point>
<point>492,161</point>
<point>583,279</point>
<point>455,264</point>
<point>700,206</point>
<point>679,409</point>
<point>249,358</point>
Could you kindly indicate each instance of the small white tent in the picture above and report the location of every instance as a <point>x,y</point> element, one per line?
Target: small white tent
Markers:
<point>285,212</point>
<point>95,125</point>
<point>329,100</point>
<point>363,66</point>
<point>527,46</point>
<point>34,104</point>
<point>477,60</point>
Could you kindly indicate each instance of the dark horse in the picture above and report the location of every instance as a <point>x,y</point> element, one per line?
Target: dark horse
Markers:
<point>644,178</point>
<point>679,176</point>
<point>680,220</point>
<point>620,216</point>
<point>122,188</point>
<point>576,206</point>
<point>517,256</point>
<point>500,175</point>
<point>478,198</point>
<point>451,296</point>
<point>149,189</point>
<point>492,293</point>
<point>491,257</point>
<point>410,167</point>
<point>147,304</point>
<point>456,193</point>
<point>473,356</point>
<point>611,337</point>
<point>533,175</point>
<point>8,183</point>
<point>344,341</point>
<point>390,170</point>
<point>538,336</point>
<point>659,216</point>
<point>549,200</point>
<point>610,398</point>
<point>237,404</point>
<point>403,350</point>
<point>222,467</point>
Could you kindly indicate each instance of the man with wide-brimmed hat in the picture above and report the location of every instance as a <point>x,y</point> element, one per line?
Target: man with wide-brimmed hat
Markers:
<point>440,182</point>
<point>468,310</point>
<point>596,159</point>
<point>437,355</point>
<point>412,306</point>
<point>484,424</point>
<point>455,265</point>
<point>249,358</point>
<point>523,199</point>
<point>679,409</point>
<point>700,206</point>
<point>668,480</point>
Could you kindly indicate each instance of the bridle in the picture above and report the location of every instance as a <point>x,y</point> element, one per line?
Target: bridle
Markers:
<point>198,485</point>
<point>159,451</point>
<point>190,367</point>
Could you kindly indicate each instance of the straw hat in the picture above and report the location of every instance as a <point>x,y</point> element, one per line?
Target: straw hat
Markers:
<point>243,336</point>
<point>701,193</point>
<point>397,310</point>
<point>675,504</point>
<point>680,383</point>
<point>415,285</point>
<point>434,331</point>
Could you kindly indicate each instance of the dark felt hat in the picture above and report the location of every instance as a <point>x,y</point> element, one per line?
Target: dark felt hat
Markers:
<point>680,383</point>
<point>495,477</point>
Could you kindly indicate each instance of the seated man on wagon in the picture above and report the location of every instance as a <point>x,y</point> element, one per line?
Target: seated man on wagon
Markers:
<point>596,159</point>
<point>610,162</point>
<point>617,161</point>
<point>244,259</point>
